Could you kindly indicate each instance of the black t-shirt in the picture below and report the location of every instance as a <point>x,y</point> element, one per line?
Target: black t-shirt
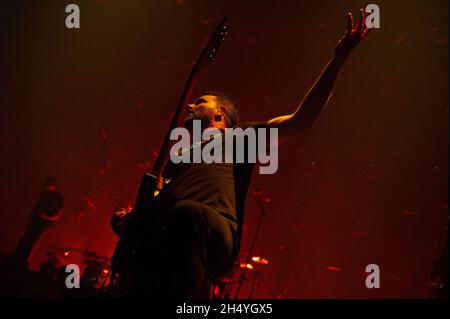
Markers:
<point>221,186</point>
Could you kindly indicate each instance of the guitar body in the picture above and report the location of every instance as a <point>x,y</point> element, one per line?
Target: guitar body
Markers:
<point>124,258</point>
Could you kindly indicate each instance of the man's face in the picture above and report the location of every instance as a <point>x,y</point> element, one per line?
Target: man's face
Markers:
<point>204,108</point>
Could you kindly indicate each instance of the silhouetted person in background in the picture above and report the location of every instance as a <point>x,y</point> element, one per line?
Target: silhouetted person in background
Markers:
<point>43,215</point>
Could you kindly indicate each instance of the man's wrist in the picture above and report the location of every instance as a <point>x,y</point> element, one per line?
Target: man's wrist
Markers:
<point>339,59</point>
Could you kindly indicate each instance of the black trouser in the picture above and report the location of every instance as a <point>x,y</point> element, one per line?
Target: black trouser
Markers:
<point>34,231</point>
<point>194,245</point>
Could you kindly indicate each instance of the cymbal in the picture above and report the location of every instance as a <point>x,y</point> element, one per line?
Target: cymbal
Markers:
<point>58,254</point>
<point>245,256</point>
<point>260,260</point>
<point>224,280</point>
<point>247,266</point>
<point>87,253</point>
<point>70,249</point>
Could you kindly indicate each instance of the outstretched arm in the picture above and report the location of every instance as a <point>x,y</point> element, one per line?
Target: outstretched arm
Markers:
<point>319,94</point>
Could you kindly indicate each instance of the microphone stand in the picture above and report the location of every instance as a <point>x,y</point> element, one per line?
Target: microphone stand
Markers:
<point>262,217</point>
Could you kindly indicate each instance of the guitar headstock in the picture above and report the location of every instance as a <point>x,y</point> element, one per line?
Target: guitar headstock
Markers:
<point>210,51</point>
<point>220,35</point>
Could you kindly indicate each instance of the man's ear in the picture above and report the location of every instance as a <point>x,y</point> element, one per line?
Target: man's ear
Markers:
<point>218,115</point>
<point>220,111</point>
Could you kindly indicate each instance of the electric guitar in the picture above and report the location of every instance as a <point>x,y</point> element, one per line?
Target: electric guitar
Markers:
<point>130,226</point>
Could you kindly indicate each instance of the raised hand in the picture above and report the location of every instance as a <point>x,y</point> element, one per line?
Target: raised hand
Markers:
<point>119,220</point>
<point>353,35</point>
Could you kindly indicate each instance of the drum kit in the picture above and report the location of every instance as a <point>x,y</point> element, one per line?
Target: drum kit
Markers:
<point>95,275</point>
<point>96,268</point>
<point>246,271</point>
<point>247,268</point>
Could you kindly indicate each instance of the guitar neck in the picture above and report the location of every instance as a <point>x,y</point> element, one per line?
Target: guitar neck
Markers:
<point>177,118</point>
<point>208,54</point>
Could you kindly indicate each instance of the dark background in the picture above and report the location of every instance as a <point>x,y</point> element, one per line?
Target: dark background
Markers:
<point>367,184</point>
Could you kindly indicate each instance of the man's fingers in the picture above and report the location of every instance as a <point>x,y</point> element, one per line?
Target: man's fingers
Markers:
<point>359,28</point>
<point>120,213</point>
<point>365,33</point>
<point>349,23</point>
